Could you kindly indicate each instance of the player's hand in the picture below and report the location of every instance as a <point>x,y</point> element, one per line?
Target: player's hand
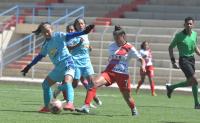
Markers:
<point>90,48</point>
<point>25,70</point>
<point>143,69</point>
<point>175,65</point>
<point>88,28</point>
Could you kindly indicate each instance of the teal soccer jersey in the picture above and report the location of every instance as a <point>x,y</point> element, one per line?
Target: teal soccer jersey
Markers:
<point>81,57</point>
<point>80,54</point>
<point>56,49</point>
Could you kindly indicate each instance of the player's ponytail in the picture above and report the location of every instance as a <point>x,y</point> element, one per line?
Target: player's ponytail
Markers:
<point>118,30</point>
<point>39,29</point>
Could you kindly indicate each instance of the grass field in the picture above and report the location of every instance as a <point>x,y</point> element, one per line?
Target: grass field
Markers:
<point>19,104</point>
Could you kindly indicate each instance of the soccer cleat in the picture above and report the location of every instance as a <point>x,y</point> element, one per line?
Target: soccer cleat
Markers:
<point>197,106</point>
<point>69,106</point>
<point>169,91</point>
<point>44,110</point>
<point>63,101</point>
<point>83,109</point>
<point>134,111</point>
<point>92,105</point>
<point>154,94</point>
<point>97,101</point>
<point>56,93</point>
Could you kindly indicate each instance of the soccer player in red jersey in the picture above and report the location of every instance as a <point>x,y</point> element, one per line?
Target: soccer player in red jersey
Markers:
<point>146,53</point>
<point>120,52</point>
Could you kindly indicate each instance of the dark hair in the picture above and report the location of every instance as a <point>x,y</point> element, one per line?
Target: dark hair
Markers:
<point>76,21</point>
<point>118,30</point>
<point>143,43</point>
<point>70,25</point>
<point>39,29</point>
<point>188,19</point>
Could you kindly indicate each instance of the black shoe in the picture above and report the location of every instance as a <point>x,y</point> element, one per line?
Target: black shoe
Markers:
<point>134,112</point>
<point>197,106</point>
<point>169,91</point>
<point>84,109</point>
<point>97,101</point>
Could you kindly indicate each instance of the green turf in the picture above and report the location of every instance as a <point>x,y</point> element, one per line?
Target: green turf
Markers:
<point>19,104</point>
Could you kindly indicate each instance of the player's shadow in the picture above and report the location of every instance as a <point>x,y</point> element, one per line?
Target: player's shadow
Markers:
<point>165,107</point>
<point>95,114</point>
<point>172,122</point>
<point>63,113</point>
<point>8,110</point>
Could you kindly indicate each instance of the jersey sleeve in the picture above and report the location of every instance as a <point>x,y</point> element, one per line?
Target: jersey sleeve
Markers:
<point>134,53</point>
<point>142,53</point>
<point>173,44</point>
<point>69,36</point>
<point>196,38</point>
<point>43,51</point>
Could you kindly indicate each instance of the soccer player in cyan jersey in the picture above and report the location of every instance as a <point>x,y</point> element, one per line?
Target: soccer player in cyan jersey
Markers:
<point>186,42</point>
<point>82,58</point>
<point>74,46</point>
<point>146,53</point>
<point>120,52</point>
<point>55,47</point>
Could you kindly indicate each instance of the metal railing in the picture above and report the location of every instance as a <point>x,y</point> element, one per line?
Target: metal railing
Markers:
<point>29,43</point>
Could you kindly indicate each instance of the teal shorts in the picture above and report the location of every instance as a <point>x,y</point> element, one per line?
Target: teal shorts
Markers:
<point>59,72</point>
<point>83,71</point>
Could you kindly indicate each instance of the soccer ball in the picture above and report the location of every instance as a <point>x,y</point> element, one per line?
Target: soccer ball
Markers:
<point>55,106</point>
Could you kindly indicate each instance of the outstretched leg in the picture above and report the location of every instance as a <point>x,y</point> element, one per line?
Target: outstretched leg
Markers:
<point>47,94</point>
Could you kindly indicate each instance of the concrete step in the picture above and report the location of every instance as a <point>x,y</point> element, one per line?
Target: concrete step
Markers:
<point>97,1</point>
<point>154,46</point>
<point>135,29</point>
<point>175,2</point>
<point>168,8</point>
<point>161,75</point>
<point>159,15</point>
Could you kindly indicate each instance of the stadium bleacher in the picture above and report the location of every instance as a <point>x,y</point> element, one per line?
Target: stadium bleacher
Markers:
<point>158,20</point>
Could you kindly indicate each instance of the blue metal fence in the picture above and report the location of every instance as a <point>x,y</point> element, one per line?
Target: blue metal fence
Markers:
<point>29,43</point>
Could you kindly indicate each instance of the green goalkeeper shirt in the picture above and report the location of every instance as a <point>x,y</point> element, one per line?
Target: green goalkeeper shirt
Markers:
<point>186,44</point>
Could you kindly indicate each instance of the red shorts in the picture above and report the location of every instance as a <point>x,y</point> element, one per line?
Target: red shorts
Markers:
<point>149,71</point>
<point>122,80</point>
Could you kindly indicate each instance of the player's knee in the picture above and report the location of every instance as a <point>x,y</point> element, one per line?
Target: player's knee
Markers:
<point>45,84</point>
<point>193,81</point>
<point>74,84</point>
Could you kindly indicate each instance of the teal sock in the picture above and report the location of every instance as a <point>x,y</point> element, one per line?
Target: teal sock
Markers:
<point>62,87</point>
<point>181,84</point>
<point>195,94</point>
<point>47,93</point>
<point>69,92</point>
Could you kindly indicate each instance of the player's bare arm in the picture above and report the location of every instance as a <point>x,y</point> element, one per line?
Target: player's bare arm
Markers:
<point>173,61</point>
<point>197,51</point>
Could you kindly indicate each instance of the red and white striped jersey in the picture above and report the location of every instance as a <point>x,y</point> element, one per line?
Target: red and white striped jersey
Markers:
<point>120,56</point>
<point>147,56</point>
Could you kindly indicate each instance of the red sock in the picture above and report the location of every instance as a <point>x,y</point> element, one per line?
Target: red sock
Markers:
<point>90,95</point>
<point>132,104</point>
<point>152,87</point>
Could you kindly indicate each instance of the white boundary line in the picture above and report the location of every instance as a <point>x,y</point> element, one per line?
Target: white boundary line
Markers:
<point>29,80</point>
